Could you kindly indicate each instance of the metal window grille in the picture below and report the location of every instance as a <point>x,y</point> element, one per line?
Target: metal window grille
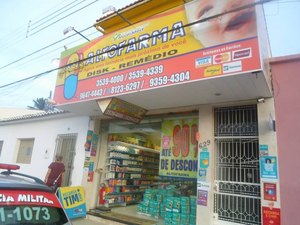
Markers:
<point>237,178</point>
<point>236,121</point>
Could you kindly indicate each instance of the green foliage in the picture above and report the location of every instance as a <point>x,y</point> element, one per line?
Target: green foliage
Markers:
<point>39,104</point>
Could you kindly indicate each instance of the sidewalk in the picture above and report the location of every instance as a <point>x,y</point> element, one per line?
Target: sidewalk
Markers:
<point>93,220</point>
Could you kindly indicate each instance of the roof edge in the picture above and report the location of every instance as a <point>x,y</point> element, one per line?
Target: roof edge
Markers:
<point>283,59</point>
<point>33,116</point>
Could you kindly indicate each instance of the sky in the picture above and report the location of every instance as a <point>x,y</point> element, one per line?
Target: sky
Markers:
<point>31,38</point>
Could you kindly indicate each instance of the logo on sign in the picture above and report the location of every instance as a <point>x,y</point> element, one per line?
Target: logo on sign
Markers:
<point>242,54</point>
<point>221,58</point>
<point>213,71</point>
<point>232,67</point>
<point>206,61</point>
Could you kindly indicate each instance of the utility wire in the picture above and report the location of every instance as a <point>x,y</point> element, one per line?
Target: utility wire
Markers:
<point>63,18</point>
<point>41,49</point>
<point>49,19</point>
<point>53,13</point>
<point>22,32</point>
<point>138,41</point>
<point>44,55</point>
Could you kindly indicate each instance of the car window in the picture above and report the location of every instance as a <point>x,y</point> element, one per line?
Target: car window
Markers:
<point>30,208</point>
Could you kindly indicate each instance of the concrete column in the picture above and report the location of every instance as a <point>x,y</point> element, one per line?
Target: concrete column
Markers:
<point>268,147</point>
<point>206,179</point>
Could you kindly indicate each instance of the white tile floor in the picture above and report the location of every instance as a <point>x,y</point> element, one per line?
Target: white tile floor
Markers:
<point>128,210</point>
<point>93,220</point>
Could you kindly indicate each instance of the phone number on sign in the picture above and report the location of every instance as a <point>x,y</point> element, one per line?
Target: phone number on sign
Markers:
<point>93,93</point>
<point>137,85</point>
<point>173,79</point>
<point>137,74</point>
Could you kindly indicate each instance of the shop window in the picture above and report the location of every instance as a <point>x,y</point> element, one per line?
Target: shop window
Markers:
<point>25,150</point>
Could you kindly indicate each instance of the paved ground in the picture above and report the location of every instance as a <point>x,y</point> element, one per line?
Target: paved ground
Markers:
<point>91,220</point>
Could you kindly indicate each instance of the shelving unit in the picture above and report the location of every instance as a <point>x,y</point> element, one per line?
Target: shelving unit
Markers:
<point>130,169</point>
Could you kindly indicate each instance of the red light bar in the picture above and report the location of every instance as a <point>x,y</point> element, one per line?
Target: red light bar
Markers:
<point>9,166</point>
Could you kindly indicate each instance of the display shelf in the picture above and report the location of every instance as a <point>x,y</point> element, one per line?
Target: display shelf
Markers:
<point>124,152</point>
<point>124,193</point>
<point>143,179</point>
<point>121,203</point>
<point>130,169</point>
<point>115,143</point>
<point>119,158</point>
<point>114,204</point>
<point>138,185</point>
<point>130,166</point>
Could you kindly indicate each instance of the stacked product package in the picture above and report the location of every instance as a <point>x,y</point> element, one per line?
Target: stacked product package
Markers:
<point>169,205</point>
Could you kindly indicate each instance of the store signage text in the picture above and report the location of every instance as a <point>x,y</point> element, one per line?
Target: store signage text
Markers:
<point>179,153</point>
<point>136,44</point>
<point>147,56</point>
<point>27,197</point>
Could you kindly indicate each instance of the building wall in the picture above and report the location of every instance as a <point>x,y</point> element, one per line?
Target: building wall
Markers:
<point>286,80</point>
<point>45,133</point>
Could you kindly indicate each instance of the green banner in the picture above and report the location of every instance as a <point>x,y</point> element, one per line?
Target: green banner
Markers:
<point>178,157</point>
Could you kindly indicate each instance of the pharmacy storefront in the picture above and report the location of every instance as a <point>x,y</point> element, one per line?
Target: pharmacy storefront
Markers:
<point>176,133</point>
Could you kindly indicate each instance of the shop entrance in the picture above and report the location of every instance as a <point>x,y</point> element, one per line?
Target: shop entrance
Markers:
<point>65,145</point>
<point>237,180</point>
<point>150,172</point>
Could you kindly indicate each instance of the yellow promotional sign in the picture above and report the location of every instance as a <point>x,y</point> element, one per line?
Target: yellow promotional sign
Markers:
<point>163,50</point>
<point>144,42</point>
<point>73,201</point>
<point>179,154</point>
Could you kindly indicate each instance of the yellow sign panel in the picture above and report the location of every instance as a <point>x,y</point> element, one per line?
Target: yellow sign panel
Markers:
<point>145,42</point>
<point>213,71</point>
<point>73,201</point>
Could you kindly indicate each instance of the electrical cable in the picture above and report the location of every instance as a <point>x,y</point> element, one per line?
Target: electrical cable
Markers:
<point>21,33</point>
<point>41,49</point>
<point>63,18</point>
<point>44,55</point>
<point>138,41</point>
<point>45,17</point>
<point>34,28</point>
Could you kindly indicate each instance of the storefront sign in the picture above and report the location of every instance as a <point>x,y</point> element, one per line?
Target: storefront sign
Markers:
<point>178,158</point>
<point>270,192</point>
<point>271,216</point>
<point>202,197</point>
<point>151,54</point>
<point>201,175</point>
<point>73,201</point>
<point>203,185</point>
<point>95,139</point>
<point>89,137</point>
<point>204,159</point>
<point>123,110</point>
<point>268,167</point>
<point>263,150</point>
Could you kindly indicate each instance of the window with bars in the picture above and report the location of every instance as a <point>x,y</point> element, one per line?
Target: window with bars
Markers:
<point>237,177</point>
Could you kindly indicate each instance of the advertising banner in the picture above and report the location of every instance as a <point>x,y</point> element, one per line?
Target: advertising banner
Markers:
<point>268,167</point>
<point>271,216</point>
<point>123,110</point>
<point>161,51</point>
<point>178,157</point>
<point>73,201</point>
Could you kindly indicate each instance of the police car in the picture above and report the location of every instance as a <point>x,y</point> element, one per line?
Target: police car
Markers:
<point>26,200</point>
